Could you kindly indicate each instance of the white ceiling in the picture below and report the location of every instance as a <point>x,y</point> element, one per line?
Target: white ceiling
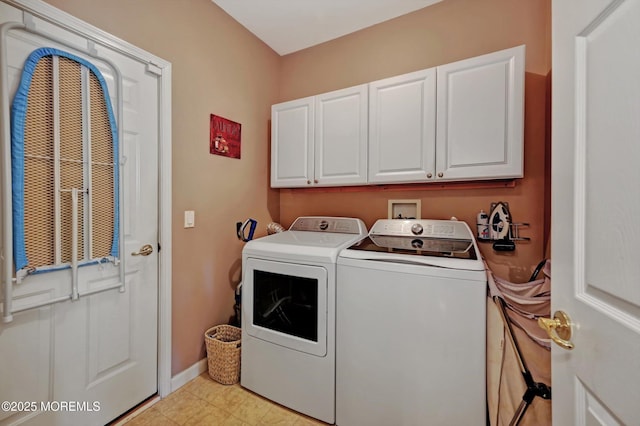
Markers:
<point>291,25</point>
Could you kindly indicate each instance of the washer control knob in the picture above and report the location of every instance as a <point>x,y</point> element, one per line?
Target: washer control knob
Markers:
<point>416,228</point>
<point>417,244</point>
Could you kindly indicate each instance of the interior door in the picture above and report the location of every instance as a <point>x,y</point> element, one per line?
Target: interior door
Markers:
<point>100,350</point>
<point>595,210</point>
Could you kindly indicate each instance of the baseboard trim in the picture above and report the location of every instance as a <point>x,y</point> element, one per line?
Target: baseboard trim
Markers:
<point>122,420</point>
<point>188,374</point>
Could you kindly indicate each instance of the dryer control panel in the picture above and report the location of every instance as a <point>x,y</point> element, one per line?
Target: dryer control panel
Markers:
<point>340,225</point>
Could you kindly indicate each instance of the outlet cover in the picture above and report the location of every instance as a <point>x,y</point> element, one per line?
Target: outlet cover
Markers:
<point>404,209</point>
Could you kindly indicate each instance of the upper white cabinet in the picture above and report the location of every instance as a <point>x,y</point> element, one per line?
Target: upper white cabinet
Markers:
<point>455,122</point>
<point>402,128</point>
<point>292,143</point>
<point>341,137</point>
<point>481,117</point>
<point>320,140</point>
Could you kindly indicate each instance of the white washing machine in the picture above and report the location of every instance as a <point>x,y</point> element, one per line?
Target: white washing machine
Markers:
<point>410,327</point>
<point>288,313</point>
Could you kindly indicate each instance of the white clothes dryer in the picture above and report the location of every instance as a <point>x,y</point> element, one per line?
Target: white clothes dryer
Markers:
<point>410,327</point>
<point>288,313</point>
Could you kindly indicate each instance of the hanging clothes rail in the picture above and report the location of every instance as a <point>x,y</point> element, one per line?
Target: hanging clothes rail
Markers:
<point>6,190</point>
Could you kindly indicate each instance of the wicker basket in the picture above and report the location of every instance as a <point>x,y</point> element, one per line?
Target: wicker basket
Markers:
<point>223,353</point>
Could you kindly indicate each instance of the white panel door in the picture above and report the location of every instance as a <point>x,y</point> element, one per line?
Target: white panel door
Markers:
<point>292,143</point>
<point>102,348</point>
<point>480,117</point>
<point>341,137</point>
<point>595,210</point>
<point>402,120</point>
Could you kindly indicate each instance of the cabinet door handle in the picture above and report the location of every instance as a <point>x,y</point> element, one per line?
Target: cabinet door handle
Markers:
<point>440,174</point>
<point>429,175</point>
<point>308,182</point>
<point>315,181</point>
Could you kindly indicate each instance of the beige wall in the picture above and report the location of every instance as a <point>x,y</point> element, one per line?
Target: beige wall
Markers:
<point>214,63</point>
<point>219,67</point>
<point>446,32</point>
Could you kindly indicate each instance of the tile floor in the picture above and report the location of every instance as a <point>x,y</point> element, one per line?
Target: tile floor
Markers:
<point>203,401</point>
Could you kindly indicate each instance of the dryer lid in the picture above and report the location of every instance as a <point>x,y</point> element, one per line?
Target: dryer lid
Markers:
<point>312,239</point>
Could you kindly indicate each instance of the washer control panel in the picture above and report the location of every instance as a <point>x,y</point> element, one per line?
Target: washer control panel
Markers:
<point>450,229</point>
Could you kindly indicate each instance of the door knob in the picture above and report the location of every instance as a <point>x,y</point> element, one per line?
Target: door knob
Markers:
<point>145,250</point>
<point>558,328</point>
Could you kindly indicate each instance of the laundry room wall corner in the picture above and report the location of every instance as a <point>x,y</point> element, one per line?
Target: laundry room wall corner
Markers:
<point>213,61</point>
<point>439,34</point>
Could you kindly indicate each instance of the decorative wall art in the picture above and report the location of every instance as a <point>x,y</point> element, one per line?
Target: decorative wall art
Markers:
<point>224,137</point>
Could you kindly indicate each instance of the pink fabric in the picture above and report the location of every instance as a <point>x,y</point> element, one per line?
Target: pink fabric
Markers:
<point>525,302</point>
<point>505,386</point>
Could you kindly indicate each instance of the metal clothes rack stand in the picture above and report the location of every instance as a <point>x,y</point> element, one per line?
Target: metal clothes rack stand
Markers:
<point>534,389</point>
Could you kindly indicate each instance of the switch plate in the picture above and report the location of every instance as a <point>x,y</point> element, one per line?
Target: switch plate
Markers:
<point>189,218</point>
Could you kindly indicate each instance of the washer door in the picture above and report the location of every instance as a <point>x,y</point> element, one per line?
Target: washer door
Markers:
<point>286,304</point>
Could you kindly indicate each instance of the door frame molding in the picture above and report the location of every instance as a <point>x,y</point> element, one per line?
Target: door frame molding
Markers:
<point>161,67</point>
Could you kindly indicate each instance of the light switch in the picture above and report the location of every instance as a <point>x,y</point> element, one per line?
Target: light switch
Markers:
<point>189,218</point>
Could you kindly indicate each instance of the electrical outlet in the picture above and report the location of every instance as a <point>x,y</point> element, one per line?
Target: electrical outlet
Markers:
<point>189,219</point>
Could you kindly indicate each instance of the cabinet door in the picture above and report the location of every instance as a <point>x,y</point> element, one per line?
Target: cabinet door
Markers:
<point>341,137</point>
<point>402,131</point>
<point>292,143</point>
<point>480,117</point>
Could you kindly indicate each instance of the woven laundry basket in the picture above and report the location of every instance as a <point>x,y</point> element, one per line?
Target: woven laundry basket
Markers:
<point>223,353</point>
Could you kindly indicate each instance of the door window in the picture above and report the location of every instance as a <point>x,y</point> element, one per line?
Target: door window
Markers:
<point>286,303</point>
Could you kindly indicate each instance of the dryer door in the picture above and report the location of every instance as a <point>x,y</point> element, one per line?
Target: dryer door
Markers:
<point>286,304</point>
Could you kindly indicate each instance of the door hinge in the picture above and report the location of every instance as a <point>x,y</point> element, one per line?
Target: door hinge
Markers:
<point>154,69</point>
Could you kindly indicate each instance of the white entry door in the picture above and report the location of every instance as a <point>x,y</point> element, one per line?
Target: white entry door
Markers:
<point>93,358</point>
<point>596,210</point>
